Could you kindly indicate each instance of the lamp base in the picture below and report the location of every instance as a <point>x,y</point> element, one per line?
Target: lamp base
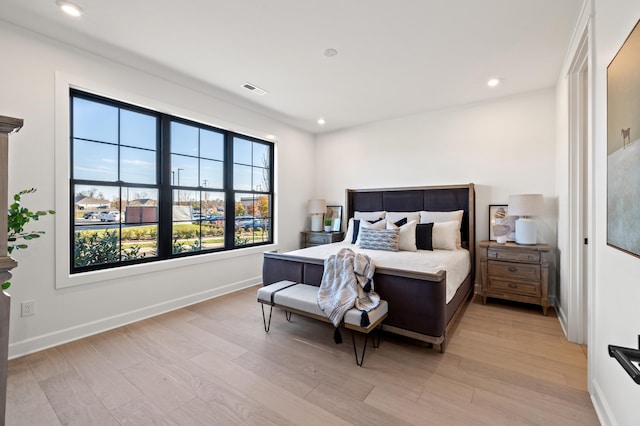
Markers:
<point>526,232</point>
<point>316,222</point>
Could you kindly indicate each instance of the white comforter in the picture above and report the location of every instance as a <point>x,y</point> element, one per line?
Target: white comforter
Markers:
<point>457,263</point>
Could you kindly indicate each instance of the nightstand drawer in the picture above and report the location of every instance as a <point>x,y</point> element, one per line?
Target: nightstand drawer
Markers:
<point>515,256</point>
<point>318,238</point>
<point>514,287</point>
<point>514,270</point>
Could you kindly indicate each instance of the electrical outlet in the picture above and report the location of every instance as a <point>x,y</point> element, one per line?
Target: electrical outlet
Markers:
<point>28,308</point>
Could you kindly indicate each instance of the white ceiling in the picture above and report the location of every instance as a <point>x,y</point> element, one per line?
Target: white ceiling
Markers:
<point>394,58</point>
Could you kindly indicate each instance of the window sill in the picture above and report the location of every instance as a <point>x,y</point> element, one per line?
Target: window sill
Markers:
<point>91,277</point>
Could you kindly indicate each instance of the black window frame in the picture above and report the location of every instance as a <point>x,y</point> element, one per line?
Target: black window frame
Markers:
<point>165,186</point>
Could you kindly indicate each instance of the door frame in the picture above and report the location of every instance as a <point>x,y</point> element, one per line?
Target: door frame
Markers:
<point>580,325</point>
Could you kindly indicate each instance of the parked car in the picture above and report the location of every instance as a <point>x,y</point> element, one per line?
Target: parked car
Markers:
<point>112,216</point>
<point>246,222</point>
<point>115,216</point>
<point>91,215</point>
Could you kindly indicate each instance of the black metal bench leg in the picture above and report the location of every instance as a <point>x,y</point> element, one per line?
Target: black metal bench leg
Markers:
<point>377,344</point>
<point>355,351</point>
<point>364,348</point>
<point>287,315</point>
<point>267,325</point>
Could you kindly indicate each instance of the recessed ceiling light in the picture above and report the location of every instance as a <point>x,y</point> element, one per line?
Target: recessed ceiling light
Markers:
<point>330,53</point>
<point>69,8</point>
<point>321,121</point>
<point>493,82</point>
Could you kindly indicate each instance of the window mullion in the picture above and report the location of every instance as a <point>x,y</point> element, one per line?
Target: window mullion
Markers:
<point>230,203</point>
<point>165,229</point>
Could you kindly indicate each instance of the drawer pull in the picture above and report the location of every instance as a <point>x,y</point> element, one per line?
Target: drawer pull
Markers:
<point>513,269</point>
<point>512,285</point>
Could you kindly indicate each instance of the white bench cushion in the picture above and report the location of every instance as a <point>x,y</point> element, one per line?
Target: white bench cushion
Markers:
<point>264,293</point>
<point>353,315</point>
<point>304,298</point>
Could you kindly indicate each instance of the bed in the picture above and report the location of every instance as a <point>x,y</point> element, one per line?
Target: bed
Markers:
<point>419,306</point>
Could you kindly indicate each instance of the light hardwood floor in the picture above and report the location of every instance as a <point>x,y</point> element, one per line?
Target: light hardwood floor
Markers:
<point>212,363</point>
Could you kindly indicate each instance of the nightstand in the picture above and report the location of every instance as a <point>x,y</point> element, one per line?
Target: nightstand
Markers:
<point>515,272</point>
<point>311,238</point>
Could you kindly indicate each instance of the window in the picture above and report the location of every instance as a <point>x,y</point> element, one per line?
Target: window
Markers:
<point>147,186</point>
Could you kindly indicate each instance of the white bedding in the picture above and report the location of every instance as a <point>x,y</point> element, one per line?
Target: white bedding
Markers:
<point>456,263</point>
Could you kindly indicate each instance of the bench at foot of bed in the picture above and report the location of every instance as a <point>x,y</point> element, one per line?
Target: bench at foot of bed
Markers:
<point>302,299</point>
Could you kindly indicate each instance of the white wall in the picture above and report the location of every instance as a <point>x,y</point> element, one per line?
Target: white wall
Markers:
<point>505,147</point>
<point>617,288</point>
<point>28,77</point>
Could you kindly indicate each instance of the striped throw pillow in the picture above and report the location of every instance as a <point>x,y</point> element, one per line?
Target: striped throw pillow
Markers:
<point>379,239</point>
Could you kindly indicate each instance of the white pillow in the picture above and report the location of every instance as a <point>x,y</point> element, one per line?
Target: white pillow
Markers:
<point>435,217</point>
<point>396,216</point>
<point>407,238</point>
<point>349,235</point>
<point>444,235</point>
<point>369,215</point>
<point>381,224</point>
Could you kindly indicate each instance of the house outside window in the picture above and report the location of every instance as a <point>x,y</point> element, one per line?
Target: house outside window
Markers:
<point>147,186</point>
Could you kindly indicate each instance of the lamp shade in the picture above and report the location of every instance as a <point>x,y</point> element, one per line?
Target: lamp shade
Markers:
<point>526,205</point>
<point>317,206</point>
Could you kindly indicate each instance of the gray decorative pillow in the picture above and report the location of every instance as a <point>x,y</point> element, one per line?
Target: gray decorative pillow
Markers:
<point>379,239</point>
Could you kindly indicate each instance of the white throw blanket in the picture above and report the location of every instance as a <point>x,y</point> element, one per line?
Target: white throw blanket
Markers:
<point>347,281</point>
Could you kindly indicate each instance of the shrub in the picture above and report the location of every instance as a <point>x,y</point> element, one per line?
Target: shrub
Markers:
<point>177,247</point>
<point>186,231</point>
<point>91,248</point>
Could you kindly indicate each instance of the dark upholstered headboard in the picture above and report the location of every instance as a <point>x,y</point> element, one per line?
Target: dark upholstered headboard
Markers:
<point>429,198</point>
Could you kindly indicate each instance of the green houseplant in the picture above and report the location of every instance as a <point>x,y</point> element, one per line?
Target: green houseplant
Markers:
<point>18,216</point>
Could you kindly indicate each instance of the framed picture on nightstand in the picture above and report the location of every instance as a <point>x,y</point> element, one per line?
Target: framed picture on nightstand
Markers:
<point>335,214</point>
<point>499,215</point>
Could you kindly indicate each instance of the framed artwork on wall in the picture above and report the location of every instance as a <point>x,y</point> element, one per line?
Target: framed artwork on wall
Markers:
<point>502,227</point>
<point>623,147</point>
<point>334,213</point>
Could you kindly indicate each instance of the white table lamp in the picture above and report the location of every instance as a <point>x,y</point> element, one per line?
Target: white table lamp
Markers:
<point>525,206</point>
<point>317,209</point>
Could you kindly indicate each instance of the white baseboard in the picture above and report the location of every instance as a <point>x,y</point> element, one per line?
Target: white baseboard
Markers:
<point>561,312</point>
<point>603,411</point>
<point>60,337</point>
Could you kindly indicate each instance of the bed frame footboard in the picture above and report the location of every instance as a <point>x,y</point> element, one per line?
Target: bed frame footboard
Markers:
<point>417,307</point>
